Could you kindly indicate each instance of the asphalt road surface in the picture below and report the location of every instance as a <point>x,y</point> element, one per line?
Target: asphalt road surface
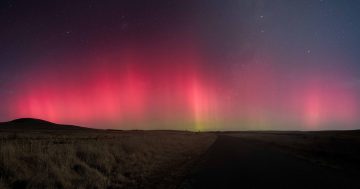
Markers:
<point>235,163</point>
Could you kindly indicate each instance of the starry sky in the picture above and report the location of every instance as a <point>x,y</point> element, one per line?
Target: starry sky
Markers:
<point>187,65</point>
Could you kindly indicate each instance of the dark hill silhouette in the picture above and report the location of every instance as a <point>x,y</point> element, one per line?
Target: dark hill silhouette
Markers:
<point>36,124</point>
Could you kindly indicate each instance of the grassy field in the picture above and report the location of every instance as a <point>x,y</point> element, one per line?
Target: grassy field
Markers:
<point>336,149</point>
<point>98,159</point>
<point>49,156</point>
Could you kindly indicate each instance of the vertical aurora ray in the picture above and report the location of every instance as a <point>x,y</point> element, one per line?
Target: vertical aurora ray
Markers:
<point>327,103</point>
<point>202,103</point>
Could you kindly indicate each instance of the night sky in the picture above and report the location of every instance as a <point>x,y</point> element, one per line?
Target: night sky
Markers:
<point>189,65</point>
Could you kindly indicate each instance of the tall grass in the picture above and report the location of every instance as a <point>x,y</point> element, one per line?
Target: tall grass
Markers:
<point>98,160</point>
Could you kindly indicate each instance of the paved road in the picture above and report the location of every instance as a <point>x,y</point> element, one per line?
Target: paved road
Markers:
<point>234,163</point>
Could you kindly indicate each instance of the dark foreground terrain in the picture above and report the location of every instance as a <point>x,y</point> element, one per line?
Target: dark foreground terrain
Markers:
<point>279,160</point>
<point>40,154</point>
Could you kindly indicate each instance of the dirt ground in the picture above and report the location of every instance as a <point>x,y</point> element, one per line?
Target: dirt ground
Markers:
<point>249,162</point>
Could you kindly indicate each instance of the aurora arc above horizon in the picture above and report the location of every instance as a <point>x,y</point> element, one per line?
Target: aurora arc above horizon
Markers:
<point>235,65</point>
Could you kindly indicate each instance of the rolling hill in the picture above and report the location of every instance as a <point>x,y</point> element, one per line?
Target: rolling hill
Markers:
<point>36,124</point>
